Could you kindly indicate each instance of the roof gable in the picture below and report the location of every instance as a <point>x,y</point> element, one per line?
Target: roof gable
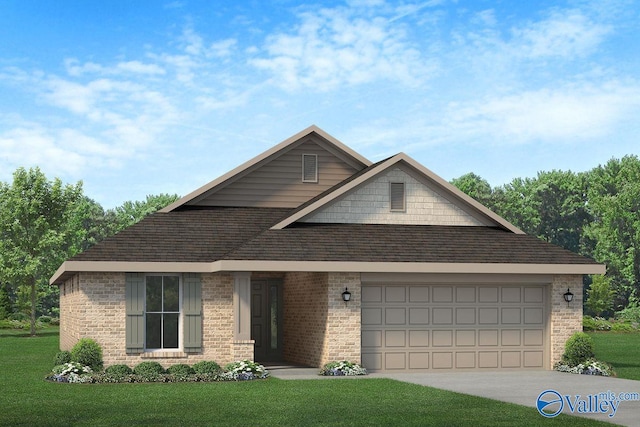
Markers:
<point>365,200</point>
<point>274,178</point>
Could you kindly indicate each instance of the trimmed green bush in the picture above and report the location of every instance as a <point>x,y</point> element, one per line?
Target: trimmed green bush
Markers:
<point>206,367</point>
<point>595,324</point>
<point>181,370</point>
<point>578,349</point>
<point>44,319</point>
<point>118,371</point>
<point>62,357</point>
<point>88,353</point>
<point>622,327</point>
<point>149,370</point>
<point>629,314</point>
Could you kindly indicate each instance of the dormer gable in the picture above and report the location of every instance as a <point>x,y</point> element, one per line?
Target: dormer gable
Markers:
<point>397,190</point>
<point>286,176</point>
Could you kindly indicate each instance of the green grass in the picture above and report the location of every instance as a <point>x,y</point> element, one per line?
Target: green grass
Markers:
<point>27,400</point>
<point>620,350</point>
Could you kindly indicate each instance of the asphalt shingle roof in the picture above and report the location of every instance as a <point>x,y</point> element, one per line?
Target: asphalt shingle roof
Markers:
<point>207,235</point>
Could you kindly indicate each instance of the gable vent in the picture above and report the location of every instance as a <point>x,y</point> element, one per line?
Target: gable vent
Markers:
<point>309,168</point>
<point>397,196</point>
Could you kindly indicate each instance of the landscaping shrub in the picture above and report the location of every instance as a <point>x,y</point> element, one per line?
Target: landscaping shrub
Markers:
<point>87,352</point>
<point>71,372</point>
<point>595,324</point>
<point>629,314</point>
<point>244,370</point>
<point>622,327</point>
<point>206,367</point>
<point>61,358</point>
<point>118,370</point>
<point>149,371</point>
<point>44,319</point>
<point>578,349</point>
<point>342,368</point>
<point>180,371</point>
<point>55,321</point>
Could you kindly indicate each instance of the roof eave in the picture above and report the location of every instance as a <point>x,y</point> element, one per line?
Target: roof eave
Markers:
<point>72,267</point>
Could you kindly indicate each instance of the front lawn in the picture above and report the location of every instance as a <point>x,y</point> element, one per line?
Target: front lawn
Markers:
<point>27,400</point>
<point>622,350</point>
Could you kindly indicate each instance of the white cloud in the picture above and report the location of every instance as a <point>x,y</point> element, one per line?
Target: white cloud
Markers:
<point>564,34</point>
<point>331,48</point>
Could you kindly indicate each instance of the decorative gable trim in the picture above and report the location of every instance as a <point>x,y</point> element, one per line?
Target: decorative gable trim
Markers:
<point>447,189</point>
<point>309,168</point>
<point>333,145</point>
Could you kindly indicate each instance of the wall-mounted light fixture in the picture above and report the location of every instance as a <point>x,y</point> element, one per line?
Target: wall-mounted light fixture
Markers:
<point>346,295</point>
<point>568,296</point>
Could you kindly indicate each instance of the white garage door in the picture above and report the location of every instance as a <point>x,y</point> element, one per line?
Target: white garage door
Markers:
<point>440,327</point>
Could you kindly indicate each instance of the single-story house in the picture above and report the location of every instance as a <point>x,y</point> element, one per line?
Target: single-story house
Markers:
<point>257,264</point>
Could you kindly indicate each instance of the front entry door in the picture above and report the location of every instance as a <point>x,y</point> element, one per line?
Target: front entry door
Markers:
<point>266,319</point>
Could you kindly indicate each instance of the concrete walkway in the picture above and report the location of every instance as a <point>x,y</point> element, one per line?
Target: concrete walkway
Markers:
<point>520,387</point>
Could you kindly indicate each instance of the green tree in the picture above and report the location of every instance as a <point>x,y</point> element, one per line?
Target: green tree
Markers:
<point>614,204</point>
<point>474,186</point>
<point>132,212</point>
<point>35,234</point>
<point>6,306</point>
<point>600,296</point>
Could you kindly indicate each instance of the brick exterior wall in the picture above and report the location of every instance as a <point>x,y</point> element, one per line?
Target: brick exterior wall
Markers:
<point>343,319</point>
<point>565,320</point>
<point>305,317</point>
<point>318,326</point>
<point>93,305</point>
<point>369,204</point>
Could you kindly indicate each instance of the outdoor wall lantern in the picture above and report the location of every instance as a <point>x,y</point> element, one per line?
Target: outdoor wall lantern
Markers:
<point>346,295</point>
<point>568,297</point>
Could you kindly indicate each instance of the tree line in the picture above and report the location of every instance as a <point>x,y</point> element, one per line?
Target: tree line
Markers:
<point>595,213</point>
<point>44,222</point>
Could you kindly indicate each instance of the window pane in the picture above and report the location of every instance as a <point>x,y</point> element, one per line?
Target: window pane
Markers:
<point>171,330</point>
<point>273,300</point>
<point>171,293</point>
<point>154,293</point>
<point>154,328</point>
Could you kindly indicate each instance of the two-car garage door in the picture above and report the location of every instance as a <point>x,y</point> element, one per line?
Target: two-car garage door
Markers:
<point>412,327</point>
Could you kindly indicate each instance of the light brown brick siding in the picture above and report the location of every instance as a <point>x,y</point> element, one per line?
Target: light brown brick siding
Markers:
<point>318,326</point>
<point>93,305</point>
<point>565,319</point>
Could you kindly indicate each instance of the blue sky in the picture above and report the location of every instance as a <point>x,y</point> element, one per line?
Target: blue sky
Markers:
<point>148,97</point>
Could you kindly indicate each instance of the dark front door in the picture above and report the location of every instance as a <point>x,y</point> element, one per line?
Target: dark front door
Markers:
<point>266,319</point>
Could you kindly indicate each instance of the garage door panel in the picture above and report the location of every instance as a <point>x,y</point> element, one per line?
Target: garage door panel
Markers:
<point>371,316</point>
<point>533,316</point>
<point>395,294</point>
<point>418,294</point>
<point>488,315</point>
<point>395,316</point>
<point>372,339</point>
<point>395,361</point>
<point>510,337</point>
<point>418,360</point>
<point>395,338</point>
<point>442,338</point>
<point>465,359</point>
<point>442,360</point>
<point>510,316</point>
<point>533,337</point>
<point>465,316</point>
<point>418,316</point>
<point>465,338</point>
<point>442,315</point>
<point>418,338</point>
<point>439,327</point>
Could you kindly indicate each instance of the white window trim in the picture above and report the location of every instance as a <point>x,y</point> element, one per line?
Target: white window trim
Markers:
<point>404,197</point>
<point>315,178</point>
<point>180,348</point>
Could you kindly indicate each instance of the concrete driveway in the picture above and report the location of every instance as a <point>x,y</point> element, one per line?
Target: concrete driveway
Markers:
<point>588,396</point>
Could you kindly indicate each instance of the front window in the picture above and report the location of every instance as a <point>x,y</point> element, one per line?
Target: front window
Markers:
<point>162,312</point>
